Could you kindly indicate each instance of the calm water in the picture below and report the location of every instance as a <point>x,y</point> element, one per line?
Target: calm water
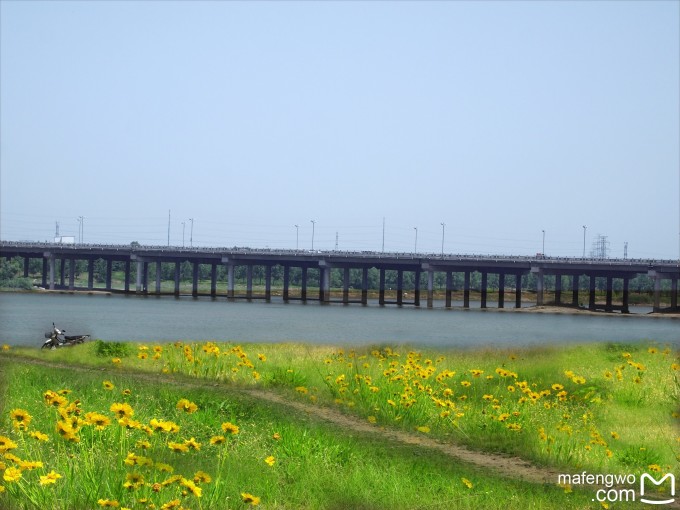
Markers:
<point>25,317</point>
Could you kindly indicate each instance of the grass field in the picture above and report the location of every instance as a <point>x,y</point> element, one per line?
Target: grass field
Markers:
<point>183,424</point>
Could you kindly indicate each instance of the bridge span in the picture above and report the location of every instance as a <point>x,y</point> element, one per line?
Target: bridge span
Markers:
<point>138,260</point>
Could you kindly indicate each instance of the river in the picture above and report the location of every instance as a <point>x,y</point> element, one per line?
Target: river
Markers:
<point>25,317</point>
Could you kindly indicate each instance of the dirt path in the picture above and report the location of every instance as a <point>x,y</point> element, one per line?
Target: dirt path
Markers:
<point>503,465</point>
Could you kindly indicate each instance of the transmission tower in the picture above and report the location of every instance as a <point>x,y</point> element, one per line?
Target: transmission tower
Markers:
<point>600,248</point>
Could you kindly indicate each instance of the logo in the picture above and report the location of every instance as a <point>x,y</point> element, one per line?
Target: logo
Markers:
<point>646,476</point>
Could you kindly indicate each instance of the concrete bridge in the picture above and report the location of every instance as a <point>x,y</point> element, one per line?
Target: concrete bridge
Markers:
<point>514,268</point>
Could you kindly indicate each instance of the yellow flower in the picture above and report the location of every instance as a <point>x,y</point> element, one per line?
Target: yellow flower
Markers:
<point>164,467</point>
<point>202,477</point>
<point>49,478</point>
<point>301,389</point>
<point>372,419</point>
<point>270,460</point>
<point>423,429</point>
<point>250,499</point>
<point>123,410</point>
<point>175,503</point>
<point>143,445</point>
<point>654,467</point>
<point>12,474</point>
<point>21,418</point>
<point>467,483</point>
<point>193,444</point>
<point>465,383</point>
<point>614,435</point>
<point>178,447</point>
<point>99,420</point>
<point>189,484</point>
<point>39,436</point>
<point>217,440</point>
<point>230,428</point>
<point>108,385</point>
<point>6,444</point>
<point>108,502</point>
<point>262,357</point>
<point>5,347</point>
<point>115,361</point>
<point>186,406</point>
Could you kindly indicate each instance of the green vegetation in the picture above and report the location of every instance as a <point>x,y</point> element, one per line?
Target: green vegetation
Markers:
<point>603,408</point>
<point>94,439</point>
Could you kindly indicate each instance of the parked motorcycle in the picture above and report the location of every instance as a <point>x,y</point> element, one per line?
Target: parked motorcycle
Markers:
<point>57,338</point>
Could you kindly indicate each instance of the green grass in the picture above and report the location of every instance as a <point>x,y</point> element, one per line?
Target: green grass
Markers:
<point>317,465</point>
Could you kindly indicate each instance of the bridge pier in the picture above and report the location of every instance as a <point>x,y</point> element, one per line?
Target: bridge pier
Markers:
<point>501,290</point>
<point>416,291</point>
<point>558,289</point>
<point>178,268</point>
<point>539,284</point>
<point>286,282</point>
<point>574,289</point>
<point>485,280</point>
<point>447,291</point>
<point>518,290</point>
<point>400,287</point>
<point>591,295</point>
<point>71,273</point>
<point>345,285</point>
<point>90,274</point>
<point>466,289</point>
<point>381,288</point>
<point>364,286</point>
<point>324,283</point>
<point>430,288</point>
<point>609,307</point>
<point>674,293</point>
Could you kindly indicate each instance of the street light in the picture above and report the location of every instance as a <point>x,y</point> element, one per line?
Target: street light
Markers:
<point>183,225</point>
<point>313,225</point>
<point>584,241</point>
<point>543,252</point>
<point>415,246</point>
<point>191,235</point>
<point>81,230</point>
<point>443,227</point>
<point>297,236</point>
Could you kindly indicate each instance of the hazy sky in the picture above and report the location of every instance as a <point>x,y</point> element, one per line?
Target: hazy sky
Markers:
<point>500,119</point>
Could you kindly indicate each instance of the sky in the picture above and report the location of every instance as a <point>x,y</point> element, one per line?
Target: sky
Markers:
<point>366,124</point>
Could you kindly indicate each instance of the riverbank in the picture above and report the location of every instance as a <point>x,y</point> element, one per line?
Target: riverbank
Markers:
<point>504,415</point>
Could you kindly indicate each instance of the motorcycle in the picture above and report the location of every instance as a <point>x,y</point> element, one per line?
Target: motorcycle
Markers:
<point>57,338</point>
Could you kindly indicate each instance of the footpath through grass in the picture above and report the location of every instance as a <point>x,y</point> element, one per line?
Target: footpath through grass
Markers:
<point>603,408</point>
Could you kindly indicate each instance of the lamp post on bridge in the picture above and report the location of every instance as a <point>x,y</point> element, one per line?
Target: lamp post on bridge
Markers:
<point>443,227</point>
<point>415,245</point>
<point>183,226</point>
<point>297,237</point>
<point>313,225</point>
<point>191,235</point>
<point>584,241</point>
<point>543,250</point>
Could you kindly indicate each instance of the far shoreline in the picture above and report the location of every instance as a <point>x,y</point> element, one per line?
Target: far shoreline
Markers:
<point>548,309</point>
